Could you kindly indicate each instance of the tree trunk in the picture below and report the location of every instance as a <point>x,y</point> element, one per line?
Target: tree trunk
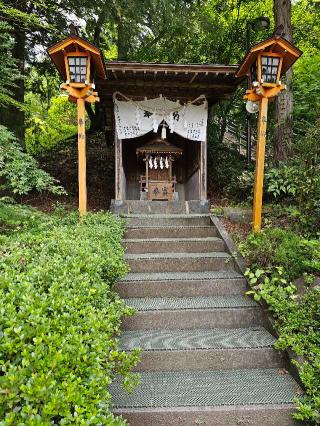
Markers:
<point>283,132</point>
<point>96,116</point>
<point>122,42</point>
<point>96,113</point>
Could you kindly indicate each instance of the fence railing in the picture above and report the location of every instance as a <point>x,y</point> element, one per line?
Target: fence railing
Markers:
<point>239,138</point>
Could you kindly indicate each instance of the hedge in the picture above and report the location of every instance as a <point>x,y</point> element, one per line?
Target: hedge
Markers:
<point>60,318</point>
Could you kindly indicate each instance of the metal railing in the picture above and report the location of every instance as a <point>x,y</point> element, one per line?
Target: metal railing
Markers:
<point>239,138</point>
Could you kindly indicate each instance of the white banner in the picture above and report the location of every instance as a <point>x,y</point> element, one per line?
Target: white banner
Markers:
<point>135,119</point>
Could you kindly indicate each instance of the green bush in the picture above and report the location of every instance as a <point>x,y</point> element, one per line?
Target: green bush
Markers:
<point>279,182</point>
<point>297,324</point>
<point>282,248</point>
<point>60,318</point>
<point>20,171</point>
<point>297,183</point>
<point>45,131</point>
<point>275,257</point>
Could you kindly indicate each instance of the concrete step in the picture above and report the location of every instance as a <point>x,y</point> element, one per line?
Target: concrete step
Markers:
<point>199,349</point>
<point>168,220</point>
<point>180,262</point>
<point>162,284</point>
<point>217,397</point>
<point>146,232</point>
<point>262,415</point>
<point>181,245</point>
<point>177,313</point>
<point>147,208</point>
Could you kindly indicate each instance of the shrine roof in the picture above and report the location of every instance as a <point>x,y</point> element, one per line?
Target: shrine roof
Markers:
<point>159,146</point>
<point>180,81</point>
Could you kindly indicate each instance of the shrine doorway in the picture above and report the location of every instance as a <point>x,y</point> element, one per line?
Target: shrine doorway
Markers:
<point>185,174</point>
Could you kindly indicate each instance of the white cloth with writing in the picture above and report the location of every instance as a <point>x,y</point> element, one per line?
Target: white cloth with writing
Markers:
<point>135,119</point>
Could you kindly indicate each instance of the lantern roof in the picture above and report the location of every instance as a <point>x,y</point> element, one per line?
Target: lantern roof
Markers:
<point>157,145</point>
<point>274,44</point>
<point>74,43</point>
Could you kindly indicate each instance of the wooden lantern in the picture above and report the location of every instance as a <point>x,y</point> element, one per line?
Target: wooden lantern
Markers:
<point>79,63</point>
<point>264,65</point>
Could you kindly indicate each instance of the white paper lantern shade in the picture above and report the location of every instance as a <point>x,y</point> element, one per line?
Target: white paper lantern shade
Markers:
<point>269,68</point>
<point>77,69</point>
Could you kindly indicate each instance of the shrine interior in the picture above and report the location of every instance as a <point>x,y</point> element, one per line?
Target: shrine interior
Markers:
<point>185,168</point>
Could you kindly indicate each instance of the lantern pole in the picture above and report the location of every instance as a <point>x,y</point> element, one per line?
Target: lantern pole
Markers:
<point>264,64</point>
<point>82,173</point>
<point>259,170</point>
<point>73,57</point>
<point>80,96</point>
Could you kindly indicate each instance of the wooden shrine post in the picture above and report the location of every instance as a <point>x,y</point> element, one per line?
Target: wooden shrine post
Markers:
<point>78,61</point>
<point>263,66</point>
<point>259,171</point>
<point>82,163</point>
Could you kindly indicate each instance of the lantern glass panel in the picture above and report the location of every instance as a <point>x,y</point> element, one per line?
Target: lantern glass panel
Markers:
<point>254,72</point>
<point>270,66</point>
<point>77,69</point>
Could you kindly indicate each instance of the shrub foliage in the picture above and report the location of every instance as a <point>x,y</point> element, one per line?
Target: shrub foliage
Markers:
<point>276,257</point>
<point>60,319</point>
<point>282,248</point>
<point>20,171</point>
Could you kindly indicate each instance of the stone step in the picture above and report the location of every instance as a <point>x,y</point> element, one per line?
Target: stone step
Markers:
<point>216,397</point>
<point>199,349</point>
<point>162,284</point>
<point>185,303</point>
<point>177,313</point>
<point>146,232</point>
<point>168,220</point>
<point>180,262</point>
<point>262,415</point>
<point>180,245</point>
<point>147,208</point>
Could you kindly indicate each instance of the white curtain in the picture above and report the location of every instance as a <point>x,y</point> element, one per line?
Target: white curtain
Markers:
<point>136,118</point>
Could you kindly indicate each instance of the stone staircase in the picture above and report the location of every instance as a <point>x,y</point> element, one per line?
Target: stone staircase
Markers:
<point>208,356</point>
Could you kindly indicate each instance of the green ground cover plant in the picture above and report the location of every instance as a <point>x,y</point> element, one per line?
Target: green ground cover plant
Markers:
<point>282,248</point>
<point>276,258</point>
<point>60,318</point>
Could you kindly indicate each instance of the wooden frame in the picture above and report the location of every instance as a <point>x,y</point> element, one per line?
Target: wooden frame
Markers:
<point>203,171</point>
<point>119,171</point>
<point>273,45</point>
<point>74,45</point>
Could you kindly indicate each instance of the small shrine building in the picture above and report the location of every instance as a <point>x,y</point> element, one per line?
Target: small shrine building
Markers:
<point>158,114</point>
